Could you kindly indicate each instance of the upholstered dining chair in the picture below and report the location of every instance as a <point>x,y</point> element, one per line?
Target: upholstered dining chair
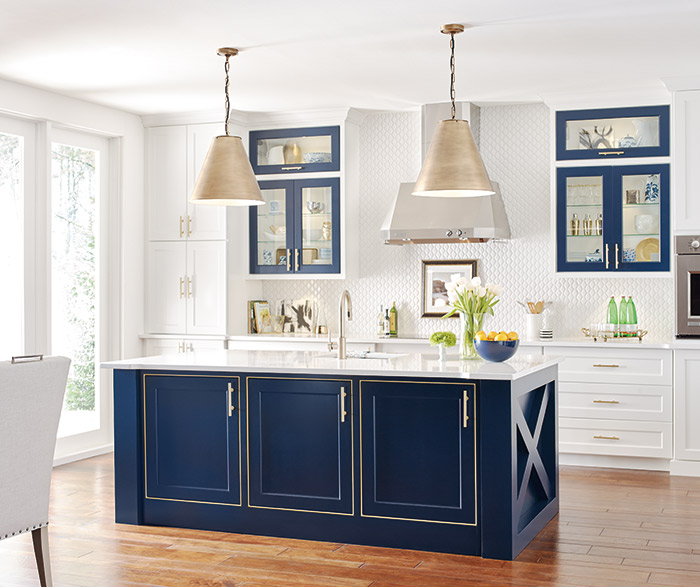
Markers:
<point>31,396</point>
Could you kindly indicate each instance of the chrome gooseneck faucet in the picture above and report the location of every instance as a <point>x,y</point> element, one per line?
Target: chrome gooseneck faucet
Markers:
<point>345,308</point>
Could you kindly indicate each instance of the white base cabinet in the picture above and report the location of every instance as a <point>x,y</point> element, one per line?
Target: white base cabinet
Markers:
<point>172,346</point>
<point>187,287</point>
<point>615,401</point>
<point>687,405</point>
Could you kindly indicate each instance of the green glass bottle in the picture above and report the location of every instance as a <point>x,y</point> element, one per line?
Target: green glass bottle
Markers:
<point>631,317</point>
<point>612,314</point>
<point>622,317</point>
<point>393,321</point>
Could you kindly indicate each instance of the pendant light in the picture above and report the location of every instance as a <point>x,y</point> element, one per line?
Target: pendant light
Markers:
<point>226,178</point>
<point>453,167</point>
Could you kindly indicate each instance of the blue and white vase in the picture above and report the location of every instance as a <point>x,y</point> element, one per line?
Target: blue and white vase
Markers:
<point>651,190</point>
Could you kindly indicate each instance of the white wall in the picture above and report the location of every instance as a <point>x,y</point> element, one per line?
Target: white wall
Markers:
<point>127,130</point>
<point>515,147</point>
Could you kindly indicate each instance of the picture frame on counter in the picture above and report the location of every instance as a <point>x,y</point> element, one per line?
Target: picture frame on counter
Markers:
<point>436,276</point>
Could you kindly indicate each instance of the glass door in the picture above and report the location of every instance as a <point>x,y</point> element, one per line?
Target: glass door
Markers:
<point>317,205</point>
<point>642,194</point>
<point>272,229</point>
<point>78,275</point>
<point>582,225</point>
<point>17,147</point>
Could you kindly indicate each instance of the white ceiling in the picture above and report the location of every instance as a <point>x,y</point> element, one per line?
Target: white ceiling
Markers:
<point>150,56</point>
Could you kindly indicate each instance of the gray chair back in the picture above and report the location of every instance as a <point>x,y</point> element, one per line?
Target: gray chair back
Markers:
<point>31,396</point>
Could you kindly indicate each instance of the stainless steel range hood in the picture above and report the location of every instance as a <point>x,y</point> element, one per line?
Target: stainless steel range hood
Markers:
<point>416,220</point>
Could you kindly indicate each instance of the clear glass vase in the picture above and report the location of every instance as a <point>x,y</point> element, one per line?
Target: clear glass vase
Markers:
<point>471,324</point>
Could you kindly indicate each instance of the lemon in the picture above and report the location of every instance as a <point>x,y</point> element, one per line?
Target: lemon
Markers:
<point>512,336</point>
<point>501,336</point>
<point>492,335</point>
<point>481,335</point>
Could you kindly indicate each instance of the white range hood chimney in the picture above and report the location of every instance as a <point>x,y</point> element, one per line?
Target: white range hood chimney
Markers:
<point>416,220</point>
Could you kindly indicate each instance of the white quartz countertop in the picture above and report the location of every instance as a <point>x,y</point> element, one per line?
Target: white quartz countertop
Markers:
<point>310,363</point>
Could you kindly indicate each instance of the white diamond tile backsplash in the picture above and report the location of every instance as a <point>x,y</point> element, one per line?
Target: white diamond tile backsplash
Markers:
<point>514,143</point>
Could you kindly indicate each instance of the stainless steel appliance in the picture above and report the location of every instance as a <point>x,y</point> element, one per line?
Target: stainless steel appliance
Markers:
<point>688,286</point>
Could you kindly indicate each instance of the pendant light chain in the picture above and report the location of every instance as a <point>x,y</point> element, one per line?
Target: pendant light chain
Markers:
<point>228,101</point>
<point>452,73</point>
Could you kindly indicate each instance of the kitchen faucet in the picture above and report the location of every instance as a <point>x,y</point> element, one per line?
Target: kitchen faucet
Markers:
<point>344,307</point>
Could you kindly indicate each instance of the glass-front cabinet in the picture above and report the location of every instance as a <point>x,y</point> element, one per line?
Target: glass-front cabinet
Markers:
<point>613,218</point>
<point>612,133</point>
<point>295,150</point>
<point>297,230</point>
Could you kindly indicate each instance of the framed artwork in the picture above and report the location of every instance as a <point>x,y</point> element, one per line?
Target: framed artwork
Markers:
<point>436,276</point>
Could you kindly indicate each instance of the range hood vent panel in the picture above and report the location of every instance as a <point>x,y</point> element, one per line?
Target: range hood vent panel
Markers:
<point>413,219</point>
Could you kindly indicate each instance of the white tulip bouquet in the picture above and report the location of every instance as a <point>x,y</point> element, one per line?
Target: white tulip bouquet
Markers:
<point>473,302</point>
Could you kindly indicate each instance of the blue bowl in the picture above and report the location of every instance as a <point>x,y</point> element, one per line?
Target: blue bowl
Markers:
<point>496,350</point>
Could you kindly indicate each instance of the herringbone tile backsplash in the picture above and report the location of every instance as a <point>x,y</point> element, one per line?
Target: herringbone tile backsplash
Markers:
<point>514,143</point>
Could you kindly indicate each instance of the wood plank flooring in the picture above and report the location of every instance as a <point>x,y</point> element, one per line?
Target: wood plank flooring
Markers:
<point>616,529</point>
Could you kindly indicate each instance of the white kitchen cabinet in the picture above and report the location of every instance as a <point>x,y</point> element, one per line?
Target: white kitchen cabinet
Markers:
<point>187,287</point>
<point>687,405</point>
<point>175,157</point>
<point>615,401</point>
<point>686,152</point>
<point>172,346</point>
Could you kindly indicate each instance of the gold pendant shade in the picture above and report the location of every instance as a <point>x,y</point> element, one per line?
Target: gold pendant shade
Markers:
<point>226,178</point>
<point>453,167</point>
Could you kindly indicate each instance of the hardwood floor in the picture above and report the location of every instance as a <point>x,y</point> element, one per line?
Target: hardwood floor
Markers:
<point>616,529</point>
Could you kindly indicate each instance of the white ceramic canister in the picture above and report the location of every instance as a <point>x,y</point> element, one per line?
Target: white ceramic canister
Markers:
<point>534,325</point>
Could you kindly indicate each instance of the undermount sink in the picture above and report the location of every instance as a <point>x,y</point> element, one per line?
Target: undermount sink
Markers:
<point>361,355</point>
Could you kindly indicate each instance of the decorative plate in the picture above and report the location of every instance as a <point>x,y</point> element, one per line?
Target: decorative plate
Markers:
<point>646,248</point>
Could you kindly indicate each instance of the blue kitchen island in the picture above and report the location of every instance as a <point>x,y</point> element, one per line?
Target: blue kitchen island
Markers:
<point>404,452</point>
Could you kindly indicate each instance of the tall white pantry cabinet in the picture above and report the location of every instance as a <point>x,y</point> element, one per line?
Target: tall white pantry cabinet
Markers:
<point>187,248</point>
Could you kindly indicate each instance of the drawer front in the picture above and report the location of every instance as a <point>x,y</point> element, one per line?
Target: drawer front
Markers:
<point>615,401</point>
<point>614,365</point>
<point>615,437</point>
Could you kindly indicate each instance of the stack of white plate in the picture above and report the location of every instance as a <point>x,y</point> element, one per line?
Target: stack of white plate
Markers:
<point>546,333</point>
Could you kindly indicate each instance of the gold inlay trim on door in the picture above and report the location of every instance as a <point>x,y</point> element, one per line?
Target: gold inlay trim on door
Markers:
<point>352,448</point>
<point>145,446</point>
<point>462,385</point>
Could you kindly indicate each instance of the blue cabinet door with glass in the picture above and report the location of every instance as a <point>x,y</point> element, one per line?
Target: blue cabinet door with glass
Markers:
<point>295,150</point>
<point>613,132</point>
<point>613,218</point>
<point>297,229</point>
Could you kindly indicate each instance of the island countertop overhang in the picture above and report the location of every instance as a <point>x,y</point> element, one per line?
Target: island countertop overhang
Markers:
<point>310,363</point>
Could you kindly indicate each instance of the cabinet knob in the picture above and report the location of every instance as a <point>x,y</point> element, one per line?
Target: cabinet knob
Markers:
<point>448,233</point>
<point>459,233</point>
<point>695,244</point>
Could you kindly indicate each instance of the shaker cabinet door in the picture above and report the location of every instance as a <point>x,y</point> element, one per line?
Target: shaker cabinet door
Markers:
<point>192,438</point>
<point>166,288</point>
<point>293,465</point>
<point>206,287</point>
<point>167,183</point>
<point>203,222</point>
<point>418,456</point>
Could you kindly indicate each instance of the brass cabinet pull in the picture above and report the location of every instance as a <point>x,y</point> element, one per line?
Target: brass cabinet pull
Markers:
<point>231,407</point>
<point>597,437</point>
<point>343,413</point>
<point>605,401</point>
<point>289,260</point>
<point>189,225</point>
<point>191,349</point>
<point>180,347</point>
<point>296,259</point>
<point>189,287</point>
<point>182,227</point>
<point>465,416</point>
<point>617,255</point>
<point>607,258</point>
<point>613,153</point>
<point>182,286</point>
<point>292,168</point>
<point>611,365</point>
